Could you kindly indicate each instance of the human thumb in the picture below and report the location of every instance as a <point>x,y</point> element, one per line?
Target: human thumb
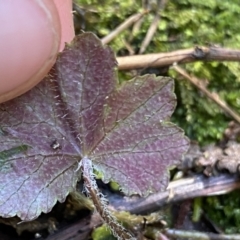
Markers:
<point>32,33</point>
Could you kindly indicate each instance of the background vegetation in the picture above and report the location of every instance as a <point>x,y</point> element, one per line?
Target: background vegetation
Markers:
<point>183,24</point>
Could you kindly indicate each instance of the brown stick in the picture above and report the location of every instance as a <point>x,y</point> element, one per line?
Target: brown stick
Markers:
<point>181,190</point>
<point>150,33</point>
<point>127,23</point>
<point>213,96</point>
<point>180,56</point>
<point>153,27</point>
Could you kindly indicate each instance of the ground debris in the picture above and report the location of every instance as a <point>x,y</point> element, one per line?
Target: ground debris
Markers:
<point>216,157</point>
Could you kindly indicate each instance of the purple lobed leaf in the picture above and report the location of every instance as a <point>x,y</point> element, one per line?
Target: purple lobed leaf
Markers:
<point>86,75</point>
<point>33,180</point>
<point>139,145</point>
<point>78,112</point>
<point>58,121</point>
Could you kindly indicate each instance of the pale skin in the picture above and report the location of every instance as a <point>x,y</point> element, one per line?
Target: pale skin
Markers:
<point>32,34</point>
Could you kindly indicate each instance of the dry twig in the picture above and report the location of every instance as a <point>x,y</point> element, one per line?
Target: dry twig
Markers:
<point>127,23</point>
<point>180,56</point>
<point>153,27</point>
<point>213,96</point>
<point>150,33</point>
<point>180,190</point>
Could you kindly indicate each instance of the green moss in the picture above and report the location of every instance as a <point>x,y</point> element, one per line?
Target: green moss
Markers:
<point>102,233</point>
<point>224,211</point>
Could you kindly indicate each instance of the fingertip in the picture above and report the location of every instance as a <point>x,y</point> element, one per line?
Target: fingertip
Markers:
<point>64,8</point>
<point>29,43</point>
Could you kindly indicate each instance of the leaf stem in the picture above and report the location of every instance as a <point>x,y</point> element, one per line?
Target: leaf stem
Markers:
<point>100,202</point>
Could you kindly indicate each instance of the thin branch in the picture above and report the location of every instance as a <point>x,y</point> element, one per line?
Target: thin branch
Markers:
<point>153,28</point>
<point>213,96</point>
<point>137,26</point>
<point>128,47</point>
<point>181,56</point>
<point>180,190</point>
<point>127,23</point>
<point>199,235</point>
<point>150,33</point>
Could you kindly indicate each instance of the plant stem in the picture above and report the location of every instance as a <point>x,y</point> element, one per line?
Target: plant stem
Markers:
<point>100,202</point>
